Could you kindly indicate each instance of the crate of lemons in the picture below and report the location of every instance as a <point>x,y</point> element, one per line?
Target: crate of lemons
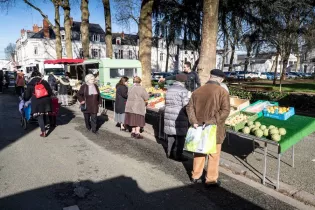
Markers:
<point>259,130</point>
<point>277,109</point>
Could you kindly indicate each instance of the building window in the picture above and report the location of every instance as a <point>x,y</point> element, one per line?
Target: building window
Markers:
<point>118,41</point>
<point>63,37</point>
<point>192,53</point>
<point>161,56</point>
<point>81,53</point>
<point>120,54</point>
<point>185,52</point>
<point>185,60</point>
<point>35,50</point>
<point>64,51</point>
<point>118,73</point>
<point>130,54</point>
<point>95,53</point>
<point>96,38</point>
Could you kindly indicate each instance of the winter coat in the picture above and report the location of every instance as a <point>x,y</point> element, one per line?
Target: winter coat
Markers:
<point>137,97</point>
<point>52,81</point>
<point>92,101</point>
<point>175,116</point>
<point>39,105</point>
<point>64,86</point>
<point>210,104</point>
<point>121,98</point>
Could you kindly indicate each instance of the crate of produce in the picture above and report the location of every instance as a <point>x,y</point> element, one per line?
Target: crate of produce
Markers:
<point>259,106</point>
<point>237,104</point>
<point>279,113</point>
<point>238,120</point>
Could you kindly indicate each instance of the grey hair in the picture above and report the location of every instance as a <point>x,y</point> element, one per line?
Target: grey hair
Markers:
<point>89,77</point>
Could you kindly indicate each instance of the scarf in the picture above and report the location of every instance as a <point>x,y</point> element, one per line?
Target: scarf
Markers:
<point>92,89</point>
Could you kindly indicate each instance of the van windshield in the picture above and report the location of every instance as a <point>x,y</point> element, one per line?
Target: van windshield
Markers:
<point>56,71</point>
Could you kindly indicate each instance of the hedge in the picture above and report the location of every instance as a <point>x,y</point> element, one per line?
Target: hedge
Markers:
<point>304,102</point>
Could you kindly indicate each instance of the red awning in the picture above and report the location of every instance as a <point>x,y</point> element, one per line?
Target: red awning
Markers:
<point>64,61</point>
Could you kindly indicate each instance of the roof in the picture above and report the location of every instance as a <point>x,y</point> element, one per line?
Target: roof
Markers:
<point>114,63</point>
<point>129,39</point>
<point>93,27</point>
<point>64,61</point>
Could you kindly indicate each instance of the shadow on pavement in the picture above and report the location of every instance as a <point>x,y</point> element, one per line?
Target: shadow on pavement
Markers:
<point>10,127</point>
<point>122,193</point>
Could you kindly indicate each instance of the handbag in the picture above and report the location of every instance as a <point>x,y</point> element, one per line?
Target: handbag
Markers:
<point>83,106</point>
<point>40,90</point>
<point>202,139</point>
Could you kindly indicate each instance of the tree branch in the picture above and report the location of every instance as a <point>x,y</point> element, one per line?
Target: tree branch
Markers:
<point>40,11</point>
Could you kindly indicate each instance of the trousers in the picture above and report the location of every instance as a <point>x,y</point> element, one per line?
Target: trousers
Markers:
<point>90,121</point>
<point>212,168</point>
<point>64,100</point>
<point>175,144</point>
<point>42,122</point>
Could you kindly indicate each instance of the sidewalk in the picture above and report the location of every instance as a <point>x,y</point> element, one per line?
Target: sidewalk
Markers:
<point>239,157</point>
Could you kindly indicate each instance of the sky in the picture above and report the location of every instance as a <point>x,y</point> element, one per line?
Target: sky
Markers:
<point>22,16</point>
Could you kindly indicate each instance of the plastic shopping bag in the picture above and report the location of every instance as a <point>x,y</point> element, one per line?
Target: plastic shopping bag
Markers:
<point>201,139</point>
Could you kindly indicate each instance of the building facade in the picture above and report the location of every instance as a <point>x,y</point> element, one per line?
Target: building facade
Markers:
<point>37,45</point>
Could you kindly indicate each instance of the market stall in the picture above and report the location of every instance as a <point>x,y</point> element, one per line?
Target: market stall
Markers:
<point>271,124</point>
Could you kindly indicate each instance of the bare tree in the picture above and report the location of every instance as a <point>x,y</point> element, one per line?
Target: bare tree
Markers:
<point>108,29</point>
<point>209,39</point>
<point>9,51</point>
<point>145,36</point>
<point>85,14</point>
<point>55,27</point>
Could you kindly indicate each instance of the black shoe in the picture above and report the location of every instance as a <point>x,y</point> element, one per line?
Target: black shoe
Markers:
<point>195,181</point>
<point>213,184</point>
<point>180,158</point>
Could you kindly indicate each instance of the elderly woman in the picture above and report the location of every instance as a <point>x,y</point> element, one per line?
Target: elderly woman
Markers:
<point>41,107</point>
<point>120,102</point>
<point>89,97</point>
<point>136,108</point>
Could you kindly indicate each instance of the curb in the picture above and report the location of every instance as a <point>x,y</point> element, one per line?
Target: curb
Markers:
<point>237,169</point>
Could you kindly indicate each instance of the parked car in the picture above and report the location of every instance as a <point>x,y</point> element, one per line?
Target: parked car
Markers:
<point>292,75</point>
<point>157,75</point>
<point>240,74</point>
<point>307,74</point>
<point>263,75</point>
<point>230,75</point>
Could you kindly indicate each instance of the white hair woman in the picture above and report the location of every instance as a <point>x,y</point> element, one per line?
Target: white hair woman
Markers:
<point>89,96</point>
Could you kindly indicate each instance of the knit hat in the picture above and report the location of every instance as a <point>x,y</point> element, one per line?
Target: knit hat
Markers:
<point>217,73</point>
<point>181,77</point>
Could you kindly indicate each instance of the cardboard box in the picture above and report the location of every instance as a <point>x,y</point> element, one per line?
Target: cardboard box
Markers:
<point>237,104</point>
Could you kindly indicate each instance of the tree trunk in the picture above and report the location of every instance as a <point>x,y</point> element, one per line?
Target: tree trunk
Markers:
<point>298,63</point>
<point>226,43</point>
<point>57,31</point>
<point>284,68</point>
<point>85,14</point>
<point>208,53</point>
<point>167,56</point>
<point>232,58</point>
<point>108,29</point>
<point>276,69</point>
<point>67,25</point>
<point>145,36</point>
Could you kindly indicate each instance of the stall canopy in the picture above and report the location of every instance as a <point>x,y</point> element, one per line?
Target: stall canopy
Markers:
<point>64,61</point>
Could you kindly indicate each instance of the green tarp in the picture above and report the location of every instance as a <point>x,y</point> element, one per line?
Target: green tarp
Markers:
<point>297,128</point>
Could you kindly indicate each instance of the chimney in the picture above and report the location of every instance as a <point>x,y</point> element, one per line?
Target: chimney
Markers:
<point>22,32</point>
<point>122,35</point>
<point>71,21</point>
<point>46,29</point>
<point>35,28</point>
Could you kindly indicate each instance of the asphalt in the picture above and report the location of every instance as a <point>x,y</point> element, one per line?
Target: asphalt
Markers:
<point>116,171</point>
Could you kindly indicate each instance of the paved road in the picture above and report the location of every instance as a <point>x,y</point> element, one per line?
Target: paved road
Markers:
<point>115,171</point>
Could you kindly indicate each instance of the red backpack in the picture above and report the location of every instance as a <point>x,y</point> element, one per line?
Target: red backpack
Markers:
<point>40,90</point>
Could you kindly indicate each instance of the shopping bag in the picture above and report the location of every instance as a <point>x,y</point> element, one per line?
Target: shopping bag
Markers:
<point>202,139</point>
